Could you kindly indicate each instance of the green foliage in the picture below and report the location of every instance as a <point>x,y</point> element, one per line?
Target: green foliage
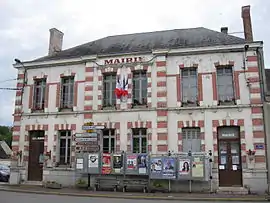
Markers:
<point>6,134</point>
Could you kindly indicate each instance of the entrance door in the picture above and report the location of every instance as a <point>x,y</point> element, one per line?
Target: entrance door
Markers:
<point>36,151</point>
<point>230,165</point>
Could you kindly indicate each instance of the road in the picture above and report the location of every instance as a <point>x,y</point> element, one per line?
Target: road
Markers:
<point>12,197</point>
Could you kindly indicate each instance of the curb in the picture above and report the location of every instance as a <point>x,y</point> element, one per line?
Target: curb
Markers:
<point>139,197</point>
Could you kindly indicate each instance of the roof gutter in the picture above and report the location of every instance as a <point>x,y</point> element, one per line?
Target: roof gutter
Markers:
<point>182,51</point>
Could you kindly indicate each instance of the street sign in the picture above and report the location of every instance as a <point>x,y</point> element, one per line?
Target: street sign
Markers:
<point>86,135</point>
<point>94,127</point>
<point>85,139</point>
<point>87,148</point>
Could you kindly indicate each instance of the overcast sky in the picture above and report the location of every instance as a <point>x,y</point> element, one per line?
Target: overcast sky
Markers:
<point>25,23</point>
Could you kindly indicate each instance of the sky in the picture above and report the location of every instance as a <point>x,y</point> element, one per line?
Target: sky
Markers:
<point>25,24</point>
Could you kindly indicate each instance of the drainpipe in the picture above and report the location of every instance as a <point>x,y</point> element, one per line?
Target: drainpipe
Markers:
<point>261,67</point>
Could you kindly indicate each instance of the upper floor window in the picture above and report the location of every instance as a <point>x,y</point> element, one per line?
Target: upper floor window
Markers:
<point>139,140</point>
<point>39,94</point>
<point>67,93</point>
<point>189,86</point>
<point>64,147</point>
<point>108,140</point>
<point>225,86</point>
<point>191,139</point>
<point>139,88</point>
<point>109,84</point>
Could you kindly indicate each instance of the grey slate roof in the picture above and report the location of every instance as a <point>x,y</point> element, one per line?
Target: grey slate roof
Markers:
<point>145,42</point>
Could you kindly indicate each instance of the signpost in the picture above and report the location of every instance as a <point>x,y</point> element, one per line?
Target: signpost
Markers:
<point>88,142</point>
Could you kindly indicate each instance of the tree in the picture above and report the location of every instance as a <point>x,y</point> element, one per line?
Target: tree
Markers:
<point>6,134</point>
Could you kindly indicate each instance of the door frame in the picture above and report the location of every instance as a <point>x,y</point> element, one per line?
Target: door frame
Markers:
<point>33,158</point>
<point>229,171</point>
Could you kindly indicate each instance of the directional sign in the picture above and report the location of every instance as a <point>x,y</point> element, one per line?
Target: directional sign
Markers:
<point>85,139</point>
<point>95,127</point>
<point>86,135</point>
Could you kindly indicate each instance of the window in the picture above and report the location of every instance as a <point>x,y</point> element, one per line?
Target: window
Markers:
<point>39,94</point>
<point>225,85</point>
<point>189,86</point>
<point>67,93</point>
<point>139,141</point>
<point>64,147</point>
<point>109,85</point>
<point>191,139</point>
<point>139,88</point>
<point>108,140</point>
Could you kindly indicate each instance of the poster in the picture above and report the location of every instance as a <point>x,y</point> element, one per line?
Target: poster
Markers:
<point>117,163</point>
<point>131,162</point>
<point>142,164</point>
<point>106,164</point>
<point>198,167</point>
<point>156,165</point>
<point>93,160</point>
<point>168,167</point>
<point>184,167</point>
<point>79,164</point>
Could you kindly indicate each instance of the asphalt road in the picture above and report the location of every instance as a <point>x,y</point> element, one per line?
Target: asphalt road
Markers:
<point>12,197</point>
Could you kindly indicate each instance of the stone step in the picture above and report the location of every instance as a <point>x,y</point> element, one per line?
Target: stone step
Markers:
<point>32,183</point>
<point>233,190</point>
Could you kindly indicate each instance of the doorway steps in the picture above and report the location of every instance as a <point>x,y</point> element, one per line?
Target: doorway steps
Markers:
<point>233,190</point>
<point>37,183</point>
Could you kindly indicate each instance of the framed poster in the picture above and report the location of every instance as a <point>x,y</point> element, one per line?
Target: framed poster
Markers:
<point>142,163</point>
<point>156,167</point>
<point>184,167</point>
<point>131,162</point>
<point>198,167</point>
<point>93,160</point>
<point>117,163</point>
<point>169,168</point>
<point>106,164</point>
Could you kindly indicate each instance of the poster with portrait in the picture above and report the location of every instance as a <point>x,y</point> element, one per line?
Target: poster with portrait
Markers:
<point>184,167</point>
<point>156,167</point>
<point>117,163</point>
<point>168,168</point>
<point>132,162</point>
<point>142,163</point>
<point>198,167</point>
<point>106,164</point>
<point>93,160</point>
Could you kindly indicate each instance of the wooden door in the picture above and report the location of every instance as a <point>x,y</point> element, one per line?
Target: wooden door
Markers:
<point>229,166</point>
<point>36,155</point>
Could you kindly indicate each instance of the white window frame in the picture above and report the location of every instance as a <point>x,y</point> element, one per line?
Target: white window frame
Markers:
<point>112,85</point>
<point>140,136</point>
<point>193,100</point>
<point>195,134</point>
<point>110,136</point>
<point>70,87</point>
<point>142,77</point>
<point>225,100</point>
<point>39,105</point>
<point>68,138</point>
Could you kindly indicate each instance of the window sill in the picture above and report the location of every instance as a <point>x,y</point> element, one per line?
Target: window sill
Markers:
<point>65,109</point>
<point>139,106</point>
<point>108,108</point>
<point>37,110</point>
<point>227,103</point>
<point>189,105</point>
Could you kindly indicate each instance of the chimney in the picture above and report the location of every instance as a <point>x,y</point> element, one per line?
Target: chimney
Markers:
<point>247,23</point>
<point>56,41</point>
<point>224,30</point>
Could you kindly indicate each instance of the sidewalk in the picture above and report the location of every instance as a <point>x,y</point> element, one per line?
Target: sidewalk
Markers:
<point>128,195</point>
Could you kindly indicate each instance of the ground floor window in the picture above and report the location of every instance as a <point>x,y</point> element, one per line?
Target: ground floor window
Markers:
<point>139,140</point>
<point>109,140</point>
<point>64,147</point>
